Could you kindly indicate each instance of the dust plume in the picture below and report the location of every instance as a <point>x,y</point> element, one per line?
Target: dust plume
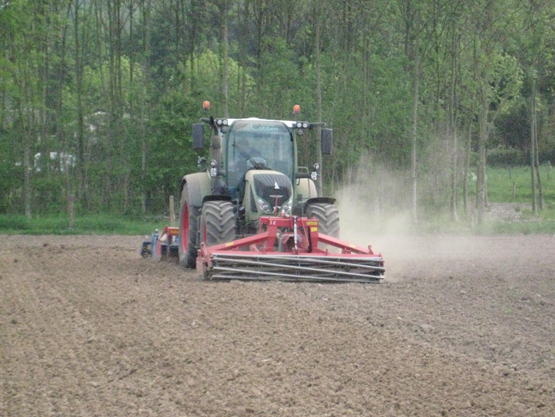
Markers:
<point>374,209</point>
<point>374,204</point>
<point>374,201</point>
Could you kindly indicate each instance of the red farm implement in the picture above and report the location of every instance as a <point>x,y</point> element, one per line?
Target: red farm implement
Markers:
<point>161,246</point>
<point>286,249</point>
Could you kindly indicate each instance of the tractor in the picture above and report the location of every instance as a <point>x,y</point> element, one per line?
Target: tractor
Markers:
<point>253,213</point>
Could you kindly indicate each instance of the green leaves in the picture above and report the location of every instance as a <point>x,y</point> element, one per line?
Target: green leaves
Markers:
<point>121,83</point>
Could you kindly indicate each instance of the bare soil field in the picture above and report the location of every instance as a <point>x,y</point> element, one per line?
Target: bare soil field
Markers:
<point>462,326</point>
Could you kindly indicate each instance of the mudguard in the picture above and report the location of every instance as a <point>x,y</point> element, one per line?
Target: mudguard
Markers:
<point>306,188</point>
<point>324,200</point>
<point>198,186</point>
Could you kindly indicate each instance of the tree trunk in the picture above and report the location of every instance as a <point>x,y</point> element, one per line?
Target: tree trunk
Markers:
<point>453,131</point>
<point>536,148</point>
<point>27,167</point>
<point>225,75</point>
<point>468,150</point>
<point>533,147</point>
<point>318,22</point>
<point>414,131</point>
<point>482,139</point>
<point>26,130</point>
<point>146,7</point>
<point>79,92</point>
<point>243,48</point>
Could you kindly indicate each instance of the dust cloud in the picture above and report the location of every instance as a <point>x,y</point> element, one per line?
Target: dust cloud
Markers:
<point>374,201</point>
<point>374,207</point>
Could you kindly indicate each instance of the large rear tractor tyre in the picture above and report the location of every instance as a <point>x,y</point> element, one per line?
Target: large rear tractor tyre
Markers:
<point>188,231</point>
<point>217,222</point>
<point>327,216</point>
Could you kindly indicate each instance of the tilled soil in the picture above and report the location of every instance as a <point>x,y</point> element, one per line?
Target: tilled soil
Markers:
<point>462,326</point>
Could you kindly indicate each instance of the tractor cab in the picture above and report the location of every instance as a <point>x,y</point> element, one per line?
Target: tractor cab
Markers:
<point>242,149</point>
<point>254,144</point>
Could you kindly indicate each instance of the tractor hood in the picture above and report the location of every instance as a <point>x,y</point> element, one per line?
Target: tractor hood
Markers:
<point>272,191</point>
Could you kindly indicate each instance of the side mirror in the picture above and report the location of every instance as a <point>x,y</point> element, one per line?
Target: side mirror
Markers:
<point>198,136</point>
<point>202,164</point>
<point>326,141</point>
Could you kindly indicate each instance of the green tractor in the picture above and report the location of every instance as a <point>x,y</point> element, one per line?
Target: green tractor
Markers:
<point>252,172</point>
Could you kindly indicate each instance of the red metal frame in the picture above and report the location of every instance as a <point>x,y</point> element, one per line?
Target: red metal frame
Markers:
<point>305,244</point>
<point>185,228</point>
<point>167,237</point>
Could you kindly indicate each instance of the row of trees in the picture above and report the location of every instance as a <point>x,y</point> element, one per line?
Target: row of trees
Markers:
<point>97,97</point>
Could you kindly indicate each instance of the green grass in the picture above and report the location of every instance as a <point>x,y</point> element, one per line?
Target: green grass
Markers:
<point>532,228</point>
<point>500,190</point>
<point>542,224</point>
<point>513,185</point>
<point>501,181</point>
<point>59,225</point>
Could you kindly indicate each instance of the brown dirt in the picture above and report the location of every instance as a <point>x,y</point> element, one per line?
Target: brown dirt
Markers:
<point>463,326</point>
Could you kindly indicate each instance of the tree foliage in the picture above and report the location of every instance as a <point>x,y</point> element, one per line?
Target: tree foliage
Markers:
<point>117,85</point>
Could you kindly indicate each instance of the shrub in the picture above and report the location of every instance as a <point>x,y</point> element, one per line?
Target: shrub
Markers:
<point>502,157</point>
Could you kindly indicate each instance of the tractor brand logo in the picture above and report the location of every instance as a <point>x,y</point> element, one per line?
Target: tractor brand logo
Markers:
<point>276,186</point>
<point>276,196</point>
<point>312,223</point>
<point>263,128</point>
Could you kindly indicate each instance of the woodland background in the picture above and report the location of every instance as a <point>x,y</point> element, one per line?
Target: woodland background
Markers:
<point>98,97</point>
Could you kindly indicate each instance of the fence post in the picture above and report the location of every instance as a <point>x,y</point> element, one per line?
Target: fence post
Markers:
<point>172,212</point>
<point>71,209</point>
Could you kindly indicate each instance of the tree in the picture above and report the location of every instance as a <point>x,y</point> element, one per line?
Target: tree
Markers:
<point>401,82</point>
<point>499,79</point>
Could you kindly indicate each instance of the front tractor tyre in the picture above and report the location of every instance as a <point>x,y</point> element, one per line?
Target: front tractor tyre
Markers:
<point>217,222</point>
<point>327,216</point>
<point>188,231</point>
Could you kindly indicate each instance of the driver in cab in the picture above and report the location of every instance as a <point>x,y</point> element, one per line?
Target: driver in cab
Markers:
<point>246,156</point>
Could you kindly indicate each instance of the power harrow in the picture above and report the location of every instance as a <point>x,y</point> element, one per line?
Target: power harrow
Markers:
<point>161,246</point>
<point>287,248</point>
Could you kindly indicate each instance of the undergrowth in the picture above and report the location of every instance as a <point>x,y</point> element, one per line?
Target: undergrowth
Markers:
<point>505,185</point>
<point>59,225</point>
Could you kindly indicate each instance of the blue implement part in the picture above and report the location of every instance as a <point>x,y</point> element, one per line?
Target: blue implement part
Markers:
<point>161,245</point>
<point>147,245</point>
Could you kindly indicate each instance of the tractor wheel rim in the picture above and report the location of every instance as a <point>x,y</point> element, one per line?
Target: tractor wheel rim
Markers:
<point>185,228</point>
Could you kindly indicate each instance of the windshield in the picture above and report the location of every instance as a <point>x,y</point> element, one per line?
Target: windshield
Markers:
<point>264,144</point>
